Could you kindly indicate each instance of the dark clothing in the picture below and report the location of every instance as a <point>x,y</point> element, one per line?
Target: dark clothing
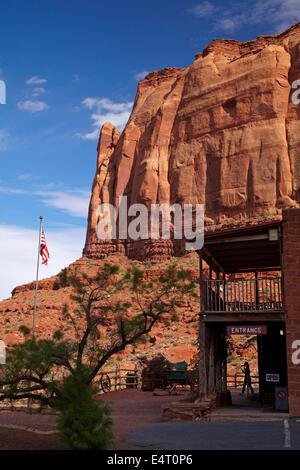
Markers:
<point>247,379</point>
<point>247,382</point>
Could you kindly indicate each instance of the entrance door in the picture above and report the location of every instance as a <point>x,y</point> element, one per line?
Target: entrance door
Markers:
<point>272,362</point>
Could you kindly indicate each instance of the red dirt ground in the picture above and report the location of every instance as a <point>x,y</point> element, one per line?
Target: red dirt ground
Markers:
<point>131,410</point>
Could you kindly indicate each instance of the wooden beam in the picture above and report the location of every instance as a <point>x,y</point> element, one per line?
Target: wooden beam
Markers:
<point>244,245</point>
<point>244,238</point>
<point>243,317</point>
<point>212,259</point>
<point>244,253</point>
<point>240,268</point>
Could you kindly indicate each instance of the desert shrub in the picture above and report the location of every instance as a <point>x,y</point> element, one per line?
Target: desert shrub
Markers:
<point>253,397</point>
<point>63,277</point>
<point>84,422</point>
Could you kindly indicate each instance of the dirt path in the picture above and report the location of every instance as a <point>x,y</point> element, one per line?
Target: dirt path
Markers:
<point>131,409</point>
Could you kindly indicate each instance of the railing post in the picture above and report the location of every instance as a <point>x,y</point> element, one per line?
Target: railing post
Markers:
<point>116,377</point>
<point>256,292</point>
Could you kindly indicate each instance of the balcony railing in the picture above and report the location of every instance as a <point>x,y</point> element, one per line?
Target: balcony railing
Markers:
<point>243,295</point>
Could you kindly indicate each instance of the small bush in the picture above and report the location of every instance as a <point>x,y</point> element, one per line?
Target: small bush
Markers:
<point>63,277</point>
<point>253,397</point>
<point>84,422</point>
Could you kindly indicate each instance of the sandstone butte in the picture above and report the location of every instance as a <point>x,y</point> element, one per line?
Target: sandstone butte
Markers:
<point>223,132</point>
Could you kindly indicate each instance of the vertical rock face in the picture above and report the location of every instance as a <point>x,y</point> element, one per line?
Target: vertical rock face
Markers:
<point>224,132</point>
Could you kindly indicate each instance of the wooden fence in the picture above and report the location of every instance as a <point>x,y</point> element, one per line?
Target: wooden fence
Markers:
<point>118,379</point>
<point>237,380</point>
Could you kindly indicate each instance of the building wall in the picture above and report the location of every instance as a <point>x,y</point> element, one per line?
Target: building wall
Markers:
<point>291,269</point>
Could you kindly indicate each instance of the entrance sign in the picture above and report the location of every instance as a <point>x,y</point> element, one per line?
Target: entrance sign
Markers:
<point>246,330</point>
<point>272,378</point>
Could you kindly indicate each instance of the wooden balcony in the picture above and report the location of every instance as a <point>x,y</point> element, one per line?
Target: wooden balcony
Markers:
<point>261,295</point>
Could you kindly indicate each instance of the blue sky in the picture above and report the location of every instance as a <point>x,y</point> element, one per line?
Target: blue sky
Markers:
<point>69,66</point>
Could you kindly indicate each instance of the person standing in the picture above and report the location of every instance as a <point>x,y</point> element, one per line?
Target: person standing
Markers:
<point>247,378</point>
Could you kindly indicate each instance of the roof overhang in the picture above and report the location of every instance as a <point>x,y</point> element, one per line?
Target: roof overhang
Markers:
<point>244,249</point>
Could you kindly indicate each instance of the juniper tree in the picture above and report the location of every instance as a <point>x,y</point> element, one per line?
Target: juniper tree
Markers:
<point>33,368</point>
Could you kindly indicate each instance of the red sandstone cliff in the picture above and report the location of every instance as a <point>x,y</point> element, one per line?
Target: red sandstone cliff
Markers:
<point>222,132</point>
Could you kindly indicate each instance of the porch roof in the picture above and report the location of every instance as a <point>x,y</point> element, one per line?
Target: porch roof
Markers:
<point>243,249</point>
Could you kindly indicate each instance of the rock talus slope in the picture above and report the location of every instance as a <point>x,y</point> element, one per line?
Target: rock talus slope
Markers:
<point>222,132</point>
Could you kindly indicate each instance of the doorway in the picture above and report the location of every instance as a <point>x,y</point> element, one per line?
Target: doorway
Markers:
<point>272,361</point>
<point>266,356</point>
<point>243,349</point>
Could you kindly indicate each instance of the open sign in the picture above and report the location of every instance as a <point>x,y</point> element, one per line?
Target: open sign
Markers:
<point>272,377</point>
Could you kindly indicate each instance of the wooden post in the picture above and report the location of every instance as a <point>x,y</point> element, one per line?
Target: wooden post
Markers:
<point>212,361</point>
<point>202,377</point>
<point>119,376</point>
<point>116,377</point>
<point>256,292</point>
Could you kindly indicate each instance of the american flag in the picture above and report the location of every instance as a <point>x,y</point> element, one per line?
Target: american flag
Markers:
<point>43,249</point>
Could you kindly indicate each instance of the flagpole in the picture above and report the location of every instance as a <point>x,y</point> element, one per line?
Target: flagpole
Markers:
<point>35,295</point>
<point>37,278</point>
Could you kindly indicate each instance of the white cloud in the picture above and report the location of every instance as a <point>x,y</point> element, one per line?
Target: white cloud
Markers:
<point>75,203</point>
<point>280,14</point>
<point>140,75</point>
<point>35,80</point>
<point>76,77</point>
<point>94,135</point>
<point>228,24</point>
<point>203,9</point>
<point>27,176</point>
<point>18,254</point>
<point>39,90</point>
<point>4,135</point>
<point>32,106</point>
<point>106,111</point>
<point>6,190</point>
